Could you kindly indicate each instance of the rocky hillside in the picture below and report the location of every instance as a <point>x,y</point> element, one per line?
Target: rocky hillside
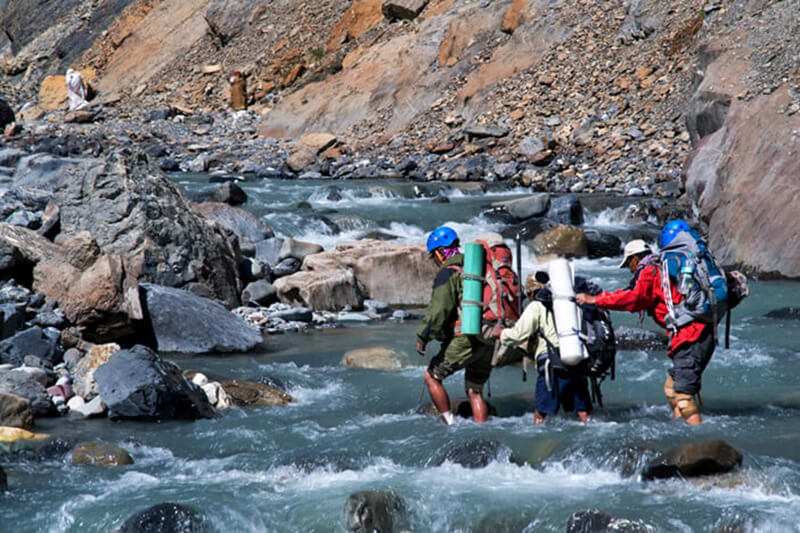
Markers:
<point>599,94</point>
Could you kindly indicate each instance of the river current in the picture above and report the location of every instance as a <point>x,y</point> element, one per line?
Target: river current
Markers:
<point>288,469</point>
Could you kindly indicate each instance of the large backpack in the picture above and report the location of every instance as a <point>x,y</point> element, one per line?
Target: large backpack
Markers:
<point>705,297</point>
<point>713,292</point>
<point>597,332</point>
<point>501,288</point>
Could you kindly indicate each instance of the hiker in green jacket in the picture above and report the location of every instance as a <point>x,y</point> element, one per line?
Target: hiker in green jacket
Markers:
<point>442,323</point>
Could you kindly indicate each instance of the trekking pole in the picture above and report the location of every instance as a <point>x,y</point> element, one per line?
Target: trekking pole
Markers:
<point>728,329</point>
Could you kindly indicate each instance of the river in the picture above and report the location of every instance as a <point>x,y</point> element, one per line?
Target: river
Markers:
<point>291,468</point>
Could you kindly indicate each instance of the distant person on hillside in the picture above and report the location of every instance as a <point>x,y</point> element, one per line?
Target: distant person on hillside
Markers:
<point>557,385</point>
<point>440,323</point>
<point>691,345</point>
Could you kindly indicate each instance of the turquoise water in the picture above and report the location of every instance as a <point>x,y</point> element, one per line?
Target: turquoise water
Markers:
<point>291,468</point>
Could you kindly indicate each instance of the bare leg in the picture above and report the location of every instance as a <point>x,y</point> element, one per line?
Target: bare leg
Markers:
<point>694,420</point>
<point>538,417</point>
<point>583,416</point>
<point>438,394</point>
<point>480,411</point>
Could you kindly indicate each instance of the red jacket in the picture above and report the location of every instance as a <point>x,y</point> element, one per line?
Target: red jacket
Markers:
<point>647,295</point>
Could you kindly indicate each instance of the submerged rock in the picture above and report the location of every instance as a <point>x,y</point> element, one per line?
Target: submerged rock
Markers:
<point>372,511</point>
<point>165,518</point>
<point>377,358</point>
<point>785,313</point>
<point>694,459</point>
<point>637,339</point>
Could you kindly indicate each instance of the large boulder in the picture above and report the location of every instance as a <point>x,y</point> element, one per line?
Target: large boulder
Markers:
<point>742,173</point>
<point>373,511</point>
<point>395,273</point>
<point>15,411</point>
<point>166,517</point>
<point>561,241</point>
<point>24,385</point>
<point>133,211</point>
<point>186,323</point>
<point>330,289</point>
<point>136,384</point>
<point>42,343</point>
<point>100,454</point>
<point>694,459</point>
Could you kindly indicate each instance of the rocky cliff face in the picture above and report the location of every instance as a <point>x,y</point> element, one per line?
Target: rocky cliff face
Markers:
<point>743,173</point>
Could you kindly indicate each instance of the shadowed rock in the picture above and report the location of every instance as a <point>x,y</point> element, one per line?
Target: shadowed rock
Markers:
<point>785,313</point>
<point>165,518</point>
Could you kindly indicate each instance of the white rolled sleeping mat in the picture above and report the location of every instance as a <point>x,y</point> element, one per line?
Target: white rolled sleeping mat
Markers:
<point>566,312</point>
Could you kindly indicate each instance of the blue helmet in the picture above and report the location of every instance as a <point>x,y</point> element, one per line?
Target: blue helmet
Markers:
<point>669,231</point>
<point>441,236</point>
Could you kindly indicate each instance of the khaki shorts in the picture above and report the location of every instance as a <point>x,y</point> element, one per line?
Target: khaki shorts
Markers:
<point>469,353</point>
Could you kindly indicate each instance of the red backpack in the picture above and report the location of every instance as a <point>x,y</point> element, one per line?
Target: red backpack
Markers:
<point>501,290</point>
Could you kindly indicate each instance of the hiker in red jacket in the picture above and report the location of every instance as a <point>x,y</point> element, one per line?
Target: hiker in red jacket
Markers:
<point>690,347</point>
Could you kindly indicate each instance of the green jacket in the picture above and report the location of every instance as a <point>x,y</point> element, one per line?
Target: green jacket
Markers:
<point>442,312</point>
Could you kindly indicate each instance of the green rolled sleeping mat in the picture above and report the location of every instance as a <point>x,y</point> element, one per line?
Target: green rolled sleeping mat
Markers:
<point>473,278</point>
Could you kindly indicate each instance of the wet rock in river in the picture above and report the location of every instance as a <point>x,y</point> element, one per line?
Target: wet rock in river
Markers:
<point>166,517</point>
<point>136,384</point>
<point>526,207</point>
<point>474,453</point>
<point>229,193</point>
<point>186,323</point>
<point>597,521</point>
<point>244,392</point>
<point>374,511</point>
<point>100,454</point>
<point>566,209</point>
<point>562,241</point>
<point>694,459</point>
